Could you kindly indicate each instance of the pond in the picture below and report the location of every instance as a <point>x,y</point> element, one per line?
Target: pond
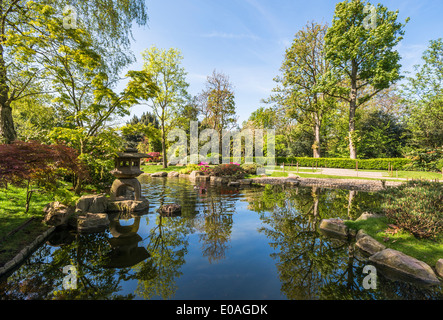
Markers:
<point>249,243</point>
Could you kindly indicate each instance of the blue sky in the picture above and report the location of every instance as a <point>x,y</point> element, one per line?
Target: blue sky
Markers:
<point>246,39</point>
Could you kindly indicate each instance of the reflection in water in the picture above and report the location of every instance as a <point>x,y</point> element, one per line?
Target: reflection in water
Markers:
<point>125,250</point>
<point>219,231</point>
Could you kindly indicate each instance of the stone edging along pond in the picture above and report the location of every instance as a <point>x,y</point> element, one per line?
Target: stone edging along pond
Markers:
<point>393,264</point>
<point>293,180</point>
<point>25,252</point>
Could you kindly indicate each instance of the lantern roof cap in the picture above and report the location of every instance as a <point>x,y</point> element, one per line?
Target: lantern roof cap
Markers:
<point>132,153</point>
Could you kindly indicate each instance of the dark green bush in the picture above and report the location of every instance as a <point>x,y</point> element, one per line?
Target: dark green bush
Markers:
<point>417,207</point>
<point>250,168</point>
<point>343,163</point>
<point>426,160</point>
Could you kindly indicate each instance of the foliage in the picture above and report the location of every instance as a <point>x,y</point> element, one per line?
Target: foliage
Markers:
<point>169,78</point>
<point>364,61</point>
<point>426,159</point>
<point>250,168</point>
<point>217,104</point>
<point>423,97</point>
<point>299,93</point>
<point>156,157</point>
<point>98,152</point>
<point>32,164</point>
<point>33,32</point>
<point>381,136</point>
<point>190,167</point>
<point>417,207</point>
<point>143,137</point>
<point>228,170</point>
<point>369,164</point>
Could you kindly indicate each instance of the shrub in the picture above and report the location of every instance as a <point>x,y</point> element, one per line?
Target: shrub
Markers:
<point>417,207</point>
<point>426,159</point>
<point>343,163</point>
<point>250,168</point>
<point>156,157</point>
<point>36,166</point>
<point>225,170</point>
<point>190,167</point>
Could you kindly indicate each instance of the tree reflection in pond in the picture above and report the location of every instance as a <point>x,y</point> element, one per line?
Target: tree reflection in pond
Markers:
<point>252,242</point>
<point>312,266</point>
<point>214,223</point>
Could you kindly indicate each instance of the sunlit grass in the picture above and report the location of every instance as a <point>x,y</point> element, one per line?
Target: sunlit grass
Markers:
<point>429,251</point>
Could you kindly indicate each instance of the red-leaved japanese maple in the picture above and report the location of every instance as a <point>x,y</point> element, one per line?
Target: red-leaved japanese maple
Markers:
<point>28,164</point>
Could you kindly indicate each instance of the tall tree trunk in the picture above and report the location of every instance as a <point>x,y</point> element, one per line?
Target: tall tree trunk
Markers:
<point>7,131</point>
<point>165,160</point>
<point>352,147</point>
<point>316,147</point>
<point>352,108</point>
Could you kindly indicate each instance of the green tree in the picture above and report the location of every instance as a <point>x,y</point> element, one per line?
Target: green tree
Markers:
<point>360,46</point>
<point>217,104</point>
<point>81,84</point>
<point>170,78</point>
<point>262,118</point>
<point>299,92</point>
<point>143,133</point>
<point>382,136</point>
<point>21,26</point>
<point>423,94</point>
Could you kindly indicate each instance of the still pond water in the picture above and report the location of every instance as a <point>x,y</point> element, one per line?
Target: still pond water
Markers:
<point>253,243</point>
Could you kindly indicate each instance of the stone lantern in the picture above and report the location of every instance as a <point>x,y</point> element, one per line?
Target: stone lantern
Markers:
<point>127,169</point>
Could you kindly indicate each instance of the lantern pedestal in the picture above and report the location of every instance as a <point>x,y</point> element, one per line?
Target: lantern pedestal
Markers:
<point>126,188</point>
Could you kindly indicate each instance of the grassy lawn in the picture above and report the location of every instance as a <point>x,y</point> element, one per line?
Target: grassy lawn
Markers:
<point>13,216</point>
<point>325,176</point>
<point>429,251</point>
<point>413,174</point>
<point>155,168</point>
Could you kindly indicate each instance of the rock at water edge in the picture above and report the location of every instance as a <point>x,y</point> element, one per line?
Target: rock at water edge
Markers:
<point>399,266</point>
<point>92,203</point>
<point>57,214</point>
<point>93,223</point>
<point>439,267</point>
<point>367,244</point>
<point>160,174</point>
<point>334,227</point>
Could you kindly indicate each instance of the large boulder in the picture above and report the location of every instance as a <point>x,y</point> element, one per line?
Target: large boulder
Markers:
<point>173,174</point>
<point>368,215</point>
<point>195,174</point>
<point>439,267</point>
<point>170,210</point>
<point>92,223</point>
<point>160,174</point>
<point>57,214</point>
<point>335,228</point>
<point>399,266</point>
<point>92,203</point>
<point>219,180</point>
<point>367,244</point>
<point>245,181</point>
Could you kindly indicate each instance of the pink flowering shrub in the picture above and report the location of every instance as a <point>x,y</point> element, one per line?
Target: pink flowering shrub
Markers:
<point>231,169</point>
<point>156,157</point>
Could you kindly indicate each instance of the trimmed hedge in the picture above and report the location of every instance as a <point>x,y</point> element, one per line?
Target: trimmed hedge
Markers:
<point>343,163</point>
